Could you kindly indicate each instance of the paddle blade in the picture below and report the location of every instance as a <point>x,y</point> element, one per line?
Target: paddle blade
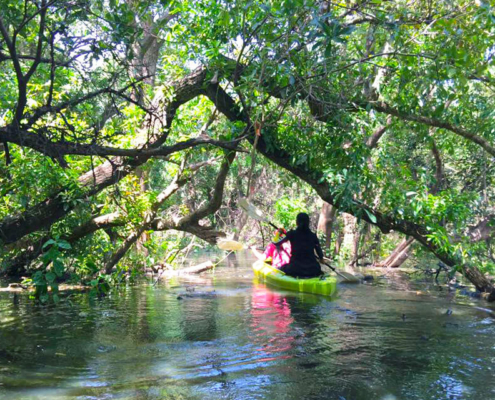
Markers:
<point>347,277</point>
<point>251,210</point>
<point>227,244</point>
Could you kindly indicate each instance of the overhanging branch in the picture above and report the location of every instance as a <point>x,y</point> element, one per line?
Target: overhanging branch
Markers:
<point>62,148</point>
<point>386,109</point>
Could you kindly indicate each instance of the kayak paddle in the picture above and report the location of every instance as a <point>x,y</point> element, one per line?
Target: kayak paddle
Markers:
<point>228,244</point>
<point>344,275</point>
<point>257,214</point>
<point>254,212</point>
<point>233,245</point>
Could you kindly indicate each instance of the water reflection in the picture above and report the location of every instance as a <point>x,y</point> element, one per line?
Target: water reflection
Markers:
<point>229,339</point>
<point>271,322</point>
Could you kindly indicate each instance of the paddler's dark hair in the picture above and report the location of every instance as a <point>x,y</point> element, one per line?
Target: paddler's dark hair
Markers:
<point>302,222</point>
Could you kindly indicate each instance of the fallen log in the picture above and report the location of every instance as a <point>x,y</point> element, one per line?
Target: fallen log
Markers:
<point>194,269</point>
<point>19,288</point>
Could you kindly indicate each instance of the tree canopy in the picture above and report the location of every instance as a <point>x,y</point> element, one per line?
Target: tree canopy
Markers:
<point>115,115</point>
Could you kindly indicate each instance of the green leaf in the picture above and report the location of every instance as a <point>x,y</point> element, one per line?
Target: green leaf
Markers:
<point>328,49</point>
<point>224,18</point>
<point>50,277</point>
<point>48,243</point>
<point>58,267</point>
<point>371,216</point>
<point>439,110</point>
<point>64,244</point>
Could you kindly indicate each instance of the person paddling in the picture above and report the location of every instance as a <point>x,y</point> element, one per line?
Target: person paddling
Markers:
<point>277,253</point>
<point>304,243</point>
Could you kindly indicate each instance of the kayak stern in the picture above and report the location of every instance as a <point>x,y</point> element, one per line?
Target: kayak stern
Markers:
<point>274,277</point>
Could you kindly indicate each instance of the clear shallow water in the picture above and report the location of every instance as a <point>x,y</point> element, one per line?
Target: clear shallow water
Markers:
<point>229,338</point>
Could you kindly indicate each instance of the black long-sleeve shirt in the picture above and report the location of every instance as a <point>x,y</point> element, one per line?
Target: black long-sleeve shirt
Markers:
<point>303,261</point>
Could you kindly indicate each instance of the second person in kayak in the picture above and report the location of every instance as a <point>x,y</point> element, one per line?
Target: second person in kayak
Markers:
<point>304,244</point>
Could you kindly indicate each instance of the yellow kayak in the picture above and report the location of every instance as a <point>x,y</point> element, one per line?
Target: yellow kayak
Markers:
<point>275,277</point>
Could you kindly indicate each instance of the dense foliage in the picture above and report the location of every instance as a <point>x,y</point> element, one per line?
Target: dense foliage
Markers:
<point>123,118</point>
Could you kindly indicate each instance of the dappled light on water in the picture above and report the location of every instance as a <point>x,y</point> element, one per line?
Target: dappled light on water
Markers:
<point>226,337</point>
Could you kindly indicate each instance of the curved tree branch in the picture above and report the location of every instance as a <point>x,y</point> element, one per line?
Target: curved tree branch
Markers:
<point>226,105</point>
<point>62,148</point>
<point>386,109</point>
<point>55,207</point>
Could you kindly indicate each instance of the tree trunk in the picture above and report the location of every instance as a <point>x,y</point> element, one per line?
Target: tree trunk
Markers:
<point>188,223</point>
<point>364,238</point>
<point>193,269</point>
<point>124,247</point>
<point>398,255</point>
<point>350,231</point>
<point>339,239</point>
<point>325,222</point>
<point>143,183</point>
<point>355,246</point>
<point>18,265</point>
<point>372,250</point>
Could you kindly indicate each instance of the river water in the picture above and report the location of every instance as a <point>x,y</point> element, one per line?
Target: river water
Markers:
<point>224,336</point>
